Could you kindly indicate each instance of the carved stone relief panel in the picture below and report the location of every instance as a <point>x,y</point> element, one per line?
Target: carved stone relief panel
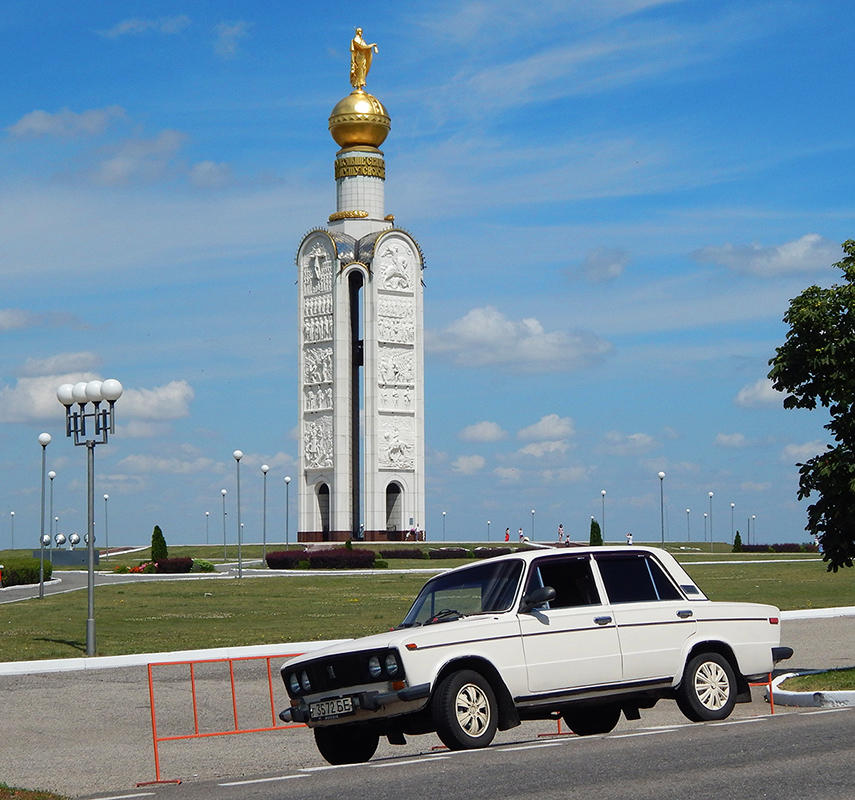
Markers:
<point>318,365</point>
<point>318,329</point>
<point>317,269</point>
<point>395,366</point>
<point>318,398</point>
<point>396,321</point>
<point>396,448</point>
<point>319,442</point>
<point>316,305</point>
<point>395,264</point>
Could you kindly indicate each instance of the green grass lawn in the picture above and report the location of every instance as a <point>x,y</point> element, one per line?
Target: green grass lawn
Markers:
<point>175,615</point>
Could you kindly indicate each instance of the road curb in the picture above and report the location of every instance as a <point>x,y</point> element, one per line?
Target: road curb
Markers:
<point>809,699</point>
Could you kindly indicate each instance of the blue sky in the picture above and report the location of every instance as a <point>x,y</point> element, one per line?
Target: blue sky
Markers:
<point>616,202</point>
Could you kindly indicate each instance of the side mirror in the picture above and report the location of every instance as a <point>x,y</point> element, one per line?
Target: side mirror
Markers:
<point>538,597</point>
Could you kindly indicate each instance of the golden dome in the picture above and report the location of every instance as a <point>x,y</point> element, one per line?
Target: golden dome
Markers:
<point>359,119</point>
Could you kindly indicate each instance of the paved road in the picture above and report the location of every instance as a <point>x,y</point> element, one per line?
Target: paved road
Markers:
<point>89,732</point>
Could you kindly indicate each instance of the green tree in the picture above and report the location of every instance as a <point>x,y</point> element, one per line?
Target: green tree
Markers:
<point>158,545</point>
<point>596,539</point>
<point>737,543</point>
<point>816,366</point>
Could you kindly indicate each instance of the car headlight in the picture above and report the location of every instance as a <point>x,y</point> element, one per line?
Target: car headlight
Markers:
<point>305,682</point>
<point>294,683</point>
<point>374,668</point>
<point>391,664</point>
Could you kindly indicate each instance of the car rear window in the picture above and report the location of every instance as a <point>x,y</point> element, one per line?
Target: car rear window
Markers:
<point>635,579</point>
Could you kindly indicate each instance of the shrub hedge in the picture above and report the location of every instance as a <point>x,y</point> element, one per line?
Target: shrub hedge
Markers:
<point>172,566</point>
<point>285,559</point>
<point>341,558</point>
<point>200,565</point>
<point>400,552</point>
<point>490,552</point>
<point>450,552</point>
<point>23,571</point>
<point>789,547</point>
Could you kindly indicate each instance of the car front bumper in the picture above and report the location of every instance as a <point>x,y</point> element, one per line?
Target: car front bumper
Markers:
<point>362,701</point>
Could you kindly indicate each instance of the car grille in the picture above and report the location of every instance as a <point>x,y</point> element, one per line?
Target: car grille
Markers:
<point>338,672</point>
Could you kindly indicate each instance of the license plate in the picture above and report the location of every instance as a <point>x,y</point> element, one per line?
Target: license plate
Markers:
<point>329,709</point>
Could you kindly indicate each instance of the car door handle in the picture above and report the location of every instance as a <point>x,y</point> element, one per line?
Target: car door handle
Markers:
<point>602,620</point>
<point>684,614</point>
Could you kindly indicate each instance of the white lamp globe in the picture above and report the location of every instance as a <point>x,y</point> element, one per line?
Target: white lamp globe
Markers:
<point>78,392</point>
<point>65,394</point>
<point>44,439</point>
<point>238,455</point>
<point>93,391</point>
<point>111,390</point>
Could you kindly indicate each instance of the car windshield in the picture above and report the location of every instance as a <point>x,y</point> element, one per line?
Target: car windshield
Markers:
<point>486,588</point>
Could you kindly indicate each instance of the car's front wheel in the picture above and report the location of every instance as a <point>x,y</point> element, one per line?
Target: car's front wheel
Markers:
<point>464,711</point>
<point>348,744</point>
<point>708,689</point>
<point>590,721</point>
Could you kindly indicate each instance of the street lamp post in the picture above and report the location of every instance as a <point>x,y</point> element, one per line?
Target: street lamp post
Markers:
<point>102,424</point>
<point>12,524</point>
<point>705,525</point>
<point>238,455</point>
<point>223,492</point>
<point>106,530</point>
<point>662,505</point>
<point>532,524</point>
<point>264,470</point>
<point>754,525</point>
<point>287,507</point>
<point>51,475</point>
<point>443,526</point>
<point>711,547</point>
<point>44,441</point>
<point>207,525</point>
<point>688,525</point>
<point>488,530</point>
<point>603,495</point>
<point>732,506</point>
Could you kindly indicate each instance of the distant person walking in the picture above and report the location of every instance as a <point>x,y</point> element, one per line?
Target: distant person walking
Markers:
<point>561,533</point>
<point>629,538</point>
<point>507,534</point>
<point>521,535</point>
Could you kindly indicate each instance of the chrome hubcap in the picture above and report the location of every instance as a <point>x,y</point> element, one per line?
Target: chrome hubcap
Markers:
<point>472,709</point>
<point>712,685</point>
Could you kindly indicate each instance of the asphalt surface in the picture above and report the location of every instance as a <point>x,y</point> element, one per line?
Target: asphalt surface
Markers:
<point>90,732</point>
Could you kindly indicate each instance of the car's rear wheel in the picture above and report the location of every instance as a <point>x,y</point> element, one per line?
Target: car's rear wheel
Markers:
<point>464,711</point>
<point>349,744</point>
<point>708,689</point>
<point>590,721</point>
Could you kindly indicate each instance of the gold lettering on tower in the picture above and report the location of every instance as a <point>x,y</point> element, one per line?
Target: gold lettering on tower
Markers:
<point>360,165</point>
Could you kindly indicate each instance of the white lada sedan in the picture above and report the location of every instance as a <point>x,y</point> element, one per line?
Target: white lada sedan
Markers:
<point>584,633</point>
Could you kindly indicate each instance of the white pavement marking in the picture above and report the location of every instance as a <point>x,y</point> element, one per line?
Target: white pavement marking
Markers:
<point>126,796</point>
<point>264,780</point>
<point>408,761</point>
<point>534,746</point>
<point>643,733</point>
<point>736,722</point>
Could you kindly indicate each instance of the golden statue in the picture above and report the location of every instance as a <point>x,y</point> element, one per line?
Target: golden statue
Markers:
<point>360,60</point>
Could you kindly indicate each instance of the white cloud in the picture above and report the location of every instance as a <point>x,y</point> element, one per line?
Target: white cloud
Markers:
<point>139,159</point>
<point>758,394</point>
<point>507,474</point>
<point>810,253</point>
<point>485,431</point>
<point>62,363</point>
<point>549,427</point>
<point>135,26</point>
<point>171,401</point>
<point>799,453</point>
<point>632,444</point>
<point>65,122</point>
<point>541,449</point>
<point>16,319</point>
<point>751,486</point>
<point>485,337</point>
<point>565,475</point>
<point>468,465</point>
<point>731,440</point>
<point>604,264</point>
<point>210,175</point>
<point>171,466</point>
<point>229,35</point>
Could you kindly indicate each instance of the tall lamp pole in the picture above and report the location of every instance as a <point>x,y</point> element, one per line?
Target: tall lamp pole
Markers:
<point>287,507</point>
<point>662,505</point>
<point>238,455</point>
<point>443,526</point>
<point>102,422</point>
<point>603,496</point>
<point>532,524</point>
<point>732,506</point>
<point>264,470</point>
<point>207,525</point>
<point>44,441</point>
<point>711,496</point>
<point>488,530</point>
<point>51,475</point>
<point>106,530</point>
<point>688,525</point>
<point>223,492</point>
<point>12,524</point>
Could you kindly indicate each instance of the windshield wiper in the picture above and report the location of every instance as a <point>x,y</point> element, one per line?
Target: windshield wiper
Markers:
<point>446,614</point>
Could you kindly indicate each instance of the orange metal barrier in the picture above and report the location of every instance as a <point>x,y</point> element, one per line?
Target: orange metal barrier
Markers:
<point>768,684</point>
<point>197,733</point>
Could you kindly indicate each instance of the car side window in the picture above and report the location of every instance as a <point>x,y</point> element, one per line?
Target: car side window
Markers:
<point>571,579</point>
<point>635,579</point>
